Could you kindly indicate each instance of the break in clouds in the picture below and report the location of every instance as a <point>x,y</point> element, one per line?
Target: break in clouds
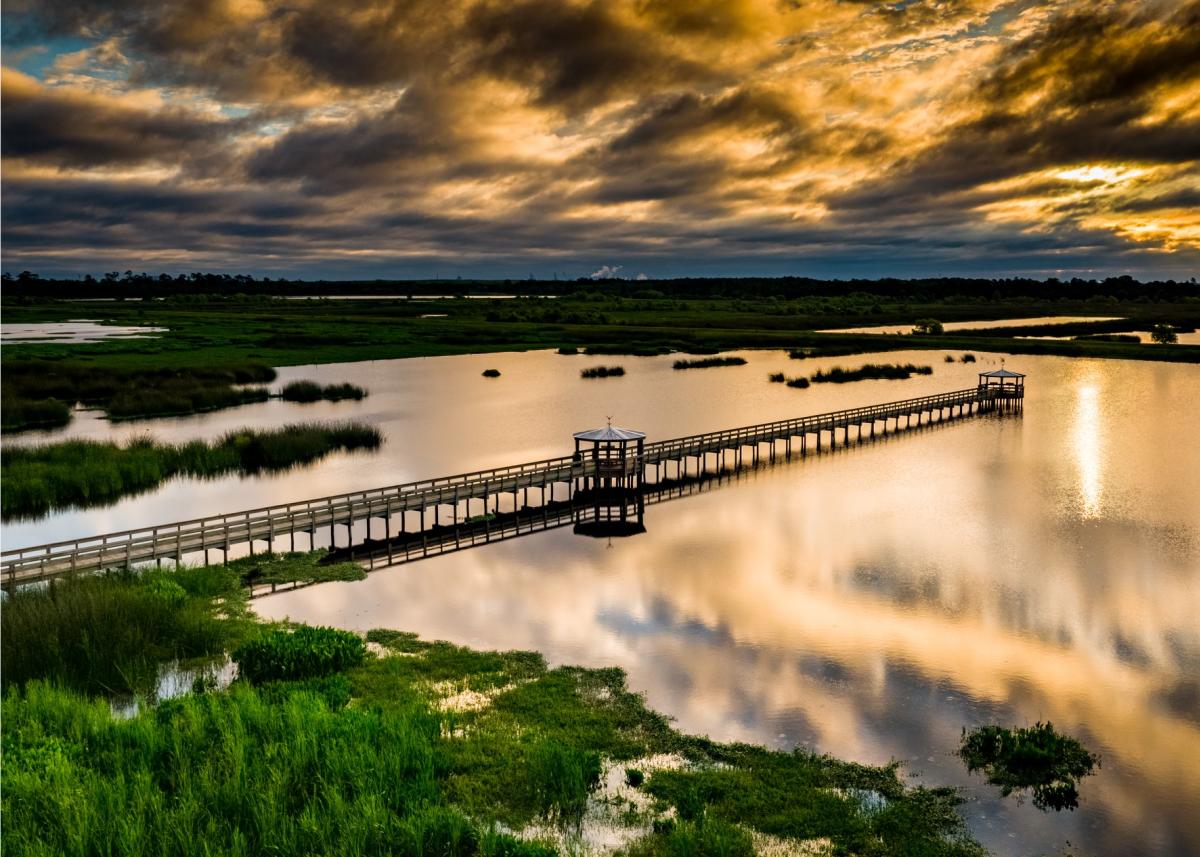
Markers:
<point>478,137</point>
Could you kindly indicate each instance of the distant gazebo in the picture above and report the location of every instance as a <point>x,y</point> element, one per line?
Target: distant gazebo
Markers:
<point>1002,389</point>
<point>610,479</point>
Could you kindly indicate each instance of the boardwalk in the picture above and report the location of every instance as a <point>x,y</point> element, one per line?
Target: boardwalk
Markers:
<point>468,502</point>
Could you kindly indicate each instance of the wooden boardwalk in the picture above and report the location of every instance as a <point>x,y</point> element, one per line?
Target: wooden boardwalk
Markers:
<point>469,500</point>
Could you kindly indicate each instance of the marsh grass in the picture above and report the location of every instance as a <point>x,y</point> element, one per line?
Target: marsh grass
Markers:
<point>776,377</point>
<point>602,372</point>
<point>110,633</point>
<point>708,362</point>
<point>310,391</point>
<point>568,350</point>
<point>1110,337</point>
<point>295,567</point>
<point>19,414</point>
<point>870,372</point>
<point>125,393</point>
<point>1037,758</point>
<point>967,358</point>
<point>303,653</point>
<point>491,373</point>
<point>84,473</point>
<point>322,749</point>
<point>798,383</point>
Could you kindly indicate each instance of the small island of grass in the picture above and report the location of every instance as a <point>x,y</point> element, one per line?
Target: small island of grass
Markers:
<point>310,391</point>
<point>602,372</point>
<point>491,373</point>
<point>1037,758</point>
<point>708,362</point>
<point>84,473</point>
<point>870,372</point>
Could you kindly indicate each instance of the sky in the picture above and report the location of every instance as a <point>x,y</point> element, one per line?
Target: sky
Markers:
<point>657,138</point>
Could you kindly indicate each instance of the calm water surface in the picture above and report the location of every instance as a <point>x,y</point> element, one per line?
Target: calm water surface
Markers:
<point>76,330</point>
<point>869,603</point>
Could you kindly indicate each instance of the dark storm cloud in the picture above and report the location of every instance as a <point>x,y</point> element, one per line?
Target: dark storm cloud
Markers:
<point>82,129</point>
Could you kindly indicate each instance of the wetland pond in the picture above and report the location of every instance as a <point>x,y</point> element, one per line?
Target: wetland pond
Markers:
<point>869,603</point>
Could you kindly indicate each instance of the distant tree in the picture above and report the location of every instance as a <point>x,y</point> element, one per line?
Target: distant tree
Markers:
<point>1163,334</point>
<point>928,327</point>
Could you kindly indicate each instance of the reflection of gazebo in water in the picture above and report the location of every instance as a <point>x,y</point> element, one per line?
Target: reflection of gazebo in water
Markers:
<point>1001,390</point>
<point>609,481</point>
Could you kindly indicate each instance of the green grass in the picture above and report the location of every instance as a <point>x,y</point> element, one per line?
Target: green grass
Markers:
<point>869,372</point>
<point>295,567</point>
<point>20,414</point>
<point>303,653</point>
<point>111,632</point>
<point>311,391</point>
<point>84,473</point>
<point>122,392</point>
<point>602,372</point>
<point>1036,758</point>
<point>319,748</point>
<point>707,362</point>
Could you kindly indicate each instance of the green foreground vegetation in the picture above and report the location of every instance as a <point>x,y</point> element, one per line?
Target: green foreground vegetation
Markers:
<point>310,391</point>
<point>82,473</point>
<point>422,748</point>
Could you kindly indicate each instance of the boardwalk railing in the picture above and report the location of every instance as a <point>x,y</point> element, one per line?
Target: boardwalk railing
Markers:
<point>269,523</point>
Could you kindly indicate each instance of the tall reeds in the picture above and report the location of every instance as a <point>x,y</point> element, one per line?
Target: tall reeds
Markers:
<point>707,362</point>
<point>602,372</point>
<point>870,372</point>
<point>82,473</point>
<point>310,391</point>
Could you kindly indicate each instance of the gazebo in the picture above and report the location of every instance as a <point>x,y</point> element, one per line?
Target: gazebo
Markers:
<point>1002,389</point>
<point>610,480</point>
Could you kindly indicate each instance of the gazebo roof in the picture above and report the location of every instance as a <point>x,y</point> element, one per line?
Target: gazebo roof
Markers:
<point>610,433</point>
<point>1000,373</point>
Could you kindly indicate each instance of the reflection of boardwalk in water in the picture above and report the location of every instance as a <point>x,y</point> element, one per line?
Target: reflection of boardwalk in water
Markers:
<point>602,489</point>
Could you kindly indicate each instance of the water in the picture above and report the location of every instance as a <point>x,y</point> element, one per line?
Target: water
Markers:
<point>977,325</point>
<point>869,603</point>
<point>74,331</point>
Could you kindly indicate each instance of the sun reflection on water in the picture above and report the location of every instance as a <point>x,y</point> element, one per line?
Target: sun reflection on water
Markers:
<point>1086,441</point>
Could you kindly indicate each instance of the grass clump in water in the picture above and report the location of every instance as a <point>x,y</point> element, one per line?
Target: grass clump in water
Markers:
<point>602,372</point>
<point>83,473</point>
<point>870,372</point>
<point>295,567</point>
<point>311,391</point>
<point>568,350</point>
<point>19,414</point>
<point>967,358</point>
<point>776,377</point>
<point>708,362</point>
<point>307,652</point>
<point>798,383</point>
<point>1036,758</point>
<point>491,373</point>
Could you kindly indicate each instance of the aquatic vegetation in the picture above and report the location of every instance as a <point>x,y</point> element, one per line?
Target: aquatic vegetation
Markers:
<point>928,327</point>
<point>776,377</point>
<point>124,392</point>
<point>307,652</point>
<point>707,362</point>
<point>967,358</point>
<point>311,391</point>
<point>798,383</point>
<point>870,371</point>
<point>634,777</point>
<point>294,567</point>
<point>491,373</point>
<point>602,372</point>
<point>1036,758</point>
<point>949,358</point>
<point>110,633</point>
<point>698,838</point>
<point>19,414</point>
<point>568,350</point>
<point>829,351</point>
<point>38,479</point>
